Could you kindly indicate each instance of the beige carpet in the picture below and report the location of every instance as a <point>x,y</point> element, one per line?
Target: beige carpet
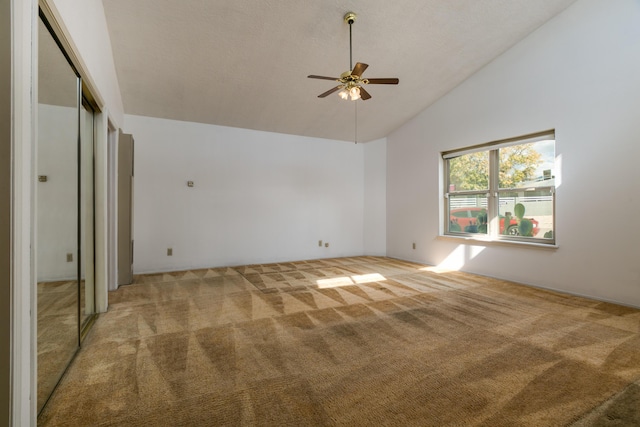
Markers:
<point>350,341</point>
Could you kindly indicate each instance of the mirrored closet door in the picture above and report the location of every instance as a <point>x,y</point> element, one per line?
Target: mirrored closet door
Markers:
<point>64,242</point>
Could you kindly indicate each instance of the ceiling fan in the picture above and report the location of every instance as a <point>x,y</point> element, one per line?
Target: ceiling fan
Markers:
<point>351,82</point>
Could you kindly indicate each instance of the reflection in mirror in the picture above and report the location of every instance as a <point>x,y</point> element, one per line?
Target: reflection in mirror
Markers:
<point>87,288</point>
<point>57,214</point>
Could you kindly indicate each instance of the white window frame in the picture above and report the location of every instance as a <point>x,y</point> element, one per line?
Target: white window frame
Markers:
<point>493,192</point>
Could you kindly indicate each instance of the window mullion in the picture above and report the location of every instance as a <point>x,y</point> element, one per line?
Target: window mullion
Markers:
<point>492,201</point>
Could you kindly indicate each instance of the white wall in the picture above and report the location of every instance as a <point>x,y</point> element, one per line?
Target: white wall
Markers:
<point>579,75</point>
<point>375,197</point>
<point>86,24</point>
<point>258,196</point>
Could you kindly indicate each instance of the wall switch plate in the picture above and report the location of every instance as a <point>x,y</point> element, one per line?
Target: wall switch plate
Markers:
<point>320,243</point>
<point>169,251</point>
<point>414,245</point>
<point>69,257</point>
<point>326,245</point>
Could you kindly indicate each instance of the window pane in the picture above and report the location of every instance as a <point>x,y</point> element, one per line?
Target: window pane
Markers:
<point>468,214</point>
<point>526,213</point>
<point>469,172</point>
<point>527,165</point>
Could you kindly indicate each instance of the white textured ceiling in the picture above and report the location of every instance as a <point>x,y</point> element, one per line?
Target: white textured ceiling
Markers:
<point>245,63</point>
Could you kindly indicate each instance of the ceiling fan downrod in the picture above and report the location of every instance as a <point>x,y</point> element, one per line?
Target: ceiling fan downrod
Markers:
<point>350,18</point>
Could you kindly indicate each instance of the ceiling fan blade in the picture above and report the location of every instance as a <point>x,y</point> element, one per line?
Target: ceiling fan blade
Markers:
<point>323,78</point>
<point>359,69</point>
<point>383,81</point>
<point>364,94</point>
<point>330,91</point>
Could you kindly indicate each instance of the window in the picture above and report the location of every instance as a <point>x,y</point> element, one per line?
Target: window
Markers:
<point>504,190</point>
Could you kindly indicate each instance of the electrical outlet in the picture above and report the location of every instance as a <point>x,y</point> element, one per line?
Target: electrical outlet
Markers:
<point>320,243</point>
<point>326,245</point>
<point>414,245</point>
<point>169,251</point>
<point>69,257</point>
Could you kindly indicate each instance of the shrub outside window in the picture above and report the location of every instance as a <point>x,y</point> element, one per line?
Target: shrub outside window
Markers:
<point>503,190</point>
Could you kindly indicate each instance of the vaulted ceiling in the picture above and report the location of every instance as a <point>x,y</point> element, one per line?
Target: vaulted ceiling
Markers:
<point>245,63</point>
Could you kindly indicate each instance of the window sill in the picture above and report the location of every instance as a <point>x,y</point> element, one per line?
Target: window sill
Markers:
<point>494,242</point>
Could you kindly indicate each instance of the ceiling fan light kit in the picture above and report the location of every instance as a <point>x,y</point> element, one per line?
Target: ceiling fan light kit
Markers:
<point>353,93</point>
<point>351,81</point>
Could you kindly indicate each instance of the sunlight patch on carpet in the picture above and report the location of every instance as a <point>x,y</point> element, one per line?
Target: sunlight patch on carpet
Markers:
<point>336,282</point>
